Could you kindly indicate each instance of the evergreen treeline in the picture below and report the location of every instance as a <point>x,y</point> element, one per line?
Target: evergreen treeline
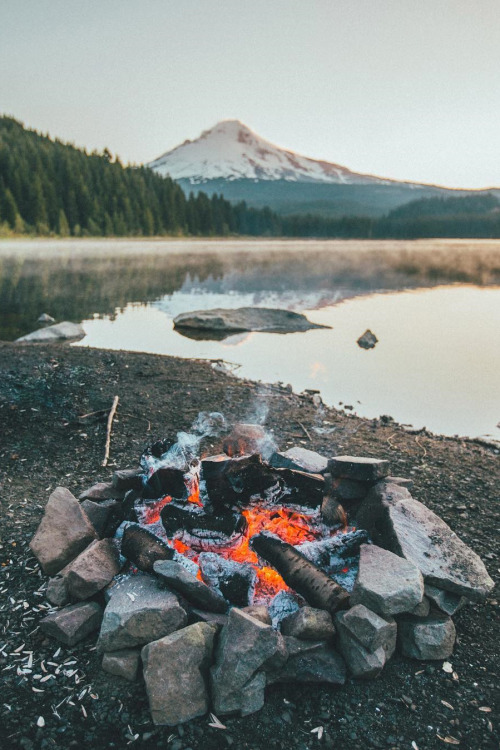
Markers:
<point>48,187</point>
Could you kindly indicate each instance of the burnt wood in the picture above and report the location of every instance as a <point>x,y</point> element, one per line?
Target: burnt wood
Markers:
<point>232,481</point>
<point>191,518</point>
<point>143,548</point>
<point>166,481</point>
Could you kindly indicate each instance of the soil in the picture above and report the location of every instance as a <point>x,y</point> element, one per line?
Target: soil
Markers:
<point>44,443</point>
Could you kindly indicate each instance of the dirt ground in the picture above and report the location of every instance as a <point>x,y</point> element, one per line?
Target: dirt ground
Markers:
<point>412,705</point>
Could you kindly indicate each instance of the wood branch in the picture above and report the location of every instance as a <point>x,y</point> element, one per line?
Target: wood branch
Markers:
<point>305,431</point>
<point>318,589</point>
<point>109,427</point>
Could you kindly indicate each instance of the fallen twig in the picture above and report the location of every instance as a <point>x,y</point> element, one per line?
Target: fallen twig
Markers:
<point>109,428</point>
<point>305,430</point>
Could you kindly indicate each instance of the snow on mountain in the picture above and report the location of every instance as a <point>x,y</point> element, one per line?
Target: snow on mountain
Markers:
<point>231,151</point>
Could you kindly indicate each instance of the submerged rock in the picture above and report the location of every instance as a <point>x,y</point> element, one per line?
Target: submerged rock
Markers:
<point>227,321</point>
<point>60,332</point>
<point>367,340</point>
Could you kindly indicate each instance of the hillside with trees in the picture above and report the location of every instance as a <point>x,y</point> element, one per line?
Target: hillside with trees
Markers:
<point>52,188</point>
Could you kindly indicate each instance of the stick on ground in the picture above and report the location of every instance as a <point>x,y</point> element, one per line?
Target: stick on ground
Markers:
<point>109,427</point>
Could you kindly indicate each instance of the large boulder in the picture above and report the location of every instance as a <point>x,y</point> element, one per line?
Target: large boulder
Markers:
<point>60,332</point>
<point>176,674</point>
<point>139,611</point>
<point>195,591</point>
<point>227,321</point>
<point>430,637</point>
<point>401,524</point>
<point>63,533</point>
<point>74,623</point>
<point>237,682</point>
<point>386,583</point>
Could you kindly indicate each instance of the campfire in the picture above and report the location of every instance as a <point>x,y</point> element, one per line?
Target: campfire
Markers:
<point>225,573</point>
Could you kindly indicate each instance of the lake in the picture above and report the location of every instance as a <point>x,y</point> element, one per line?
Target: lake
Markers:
<point>434,305</point>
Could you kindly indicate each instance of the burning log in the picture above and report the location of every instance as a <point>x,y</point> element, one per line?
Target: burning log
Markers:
<point>195,521</point>
<point>235,480</point>
<point>235,581</point>
<point>318,589</point>
<point>143,548</point>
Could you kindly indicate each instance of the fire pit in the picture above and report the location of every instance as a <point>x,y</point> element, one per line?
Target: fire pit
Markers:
<point>226,573</point>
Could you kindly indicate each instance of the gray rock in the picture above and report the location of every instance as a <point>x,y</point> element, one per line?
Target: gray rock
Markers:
<point>422,609</point>
<point>195,591</point>
<point>386,583</point>
<point>60,332</point>
<point>358,468</point>
<point>244,319</point>
<point>361,662</point>
<point>104,516</point>
<point>300,459</point>
<point>102,491</point>
<point>259,612</point>
<point>371,630</point>
<point>92,570</point>
<point>367,340</point>
<point>309,661</point>
<point>139,611</point>
<point>127,479</point>
<point>74,623</point>
<point>444,600</point>
<point>57,593</point>
<point>45,318</point>
<point>175,673</point>
<point>244,646</point>
<point>63,533</point>
<point>402,481</point>
<point>124,663</point>
<point>201,615</point>
<point>431,637</point>
<point>309,624</point>
<point>398,522</point>
<point>349,490</point>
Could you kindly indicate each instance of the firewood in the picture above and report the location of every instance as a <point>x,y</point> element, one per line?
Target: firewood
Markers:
<point>109,427</point>
<point>318,589</point>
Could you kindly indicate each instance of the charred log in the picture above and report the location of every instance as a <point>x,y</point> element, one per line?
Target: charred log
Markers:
<point>143,548</point>
<point>166,481</point>
<point>302,488</point>
<point>318,589</point>
<point>193,519</point>
<point>235,581</point>
<point>232,481</point>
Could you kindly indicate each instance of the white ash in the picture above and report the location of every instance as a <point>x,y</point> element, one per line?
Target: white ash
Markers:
<point>282,605</point>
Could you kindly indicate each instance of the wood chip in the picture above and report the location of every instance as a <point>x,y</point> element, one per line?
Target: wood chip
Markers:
<point>449,740</point>
<point>485,709</point>
<point>215,723</point>
<point>448,705</point>
<point>447,668</point>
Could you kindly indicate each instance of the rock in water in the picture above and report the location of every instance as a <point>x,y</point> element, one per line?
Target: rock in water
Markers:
<point>63,533</point>
<point>244,646</point>
<point>367,340</point>
<point>64,331</point>
<point>176,671</point>
<point>139,612</point>
<point>46,319</point>
<point>230,321</point>
<point>398,522</point>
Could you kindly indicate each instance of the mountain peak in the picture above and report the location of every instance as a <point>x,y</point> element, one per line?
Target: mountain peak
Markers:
<point>230,150</point>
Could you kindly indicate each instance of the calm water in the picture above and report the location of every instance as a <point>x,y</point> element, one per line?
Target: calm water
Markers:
<point>434,306</point>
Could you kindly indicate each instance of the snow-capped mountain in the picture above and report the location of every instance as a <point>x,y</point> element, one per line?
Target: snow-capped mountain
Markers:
<point>231,151</point>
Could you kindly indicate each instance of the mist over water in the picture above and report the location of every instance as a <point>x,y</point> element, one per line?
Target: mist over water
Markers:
<point>434,306</point>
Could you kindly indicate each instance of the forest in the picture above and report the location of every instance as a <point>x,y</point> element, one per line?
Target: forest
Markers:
<point>52,188</point>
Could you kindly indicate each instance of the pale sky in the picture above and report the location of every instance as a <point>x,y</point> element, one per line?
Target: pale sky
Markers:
<point>408,89</point>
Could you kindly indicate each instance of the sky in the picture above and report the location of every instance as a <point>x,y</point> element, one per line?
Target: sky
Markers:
<point>407,89</point>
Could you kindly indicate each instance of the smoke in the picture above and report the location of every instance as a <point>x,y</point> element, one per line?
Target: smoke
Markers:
<point>187,447</point>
